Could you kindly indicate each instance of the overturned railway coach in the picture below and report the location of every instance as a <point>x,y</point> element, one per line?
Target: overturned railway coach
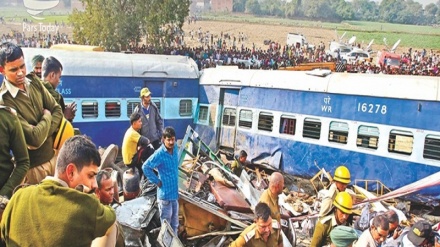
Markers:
<point>381,127</point>
<point>106,88</point>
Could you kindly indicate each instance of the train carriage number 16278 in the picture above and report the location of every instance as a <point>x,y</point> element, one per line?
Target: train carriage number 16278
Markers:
<point>372,108</point>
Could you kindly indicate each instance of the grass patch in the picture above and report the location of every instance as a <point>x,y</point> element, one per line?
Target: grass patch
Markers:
<point>411,35</point>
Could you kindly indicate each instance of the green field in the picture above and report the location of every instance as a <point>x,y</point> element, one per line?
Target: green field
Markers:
<point>414,36</point>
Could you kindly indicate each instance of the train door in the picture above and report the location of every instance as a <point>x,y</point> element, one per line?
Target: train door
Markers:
<point>228,103</point>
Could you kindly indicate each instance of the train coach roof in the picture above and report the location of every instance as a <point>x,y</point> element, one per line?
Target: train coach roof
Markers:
<point>85,63</point>
<point>377,85</point>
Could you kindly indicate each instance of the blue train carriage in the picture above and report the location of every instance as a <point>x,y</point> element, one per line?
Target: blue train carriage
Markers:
<point>106,88</point>
<point>381,127</point>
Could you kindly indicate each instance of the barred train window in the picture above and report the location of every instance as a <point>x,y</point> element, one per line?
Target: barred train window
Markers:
<point>288,125</point>
<point>89,109</point>
<point>229,116</point>
<point>245,119</point>
<point>432,147</point>
<point>203,113</point>
<point>367,137</point>
<point>338,132</point>
<point>400,142</point>
<point>185,107</point>
<point>157,103</point>
<point>131,105</point>
<point>265,121</point>
<point>312,128</point>
<point>112,109</point>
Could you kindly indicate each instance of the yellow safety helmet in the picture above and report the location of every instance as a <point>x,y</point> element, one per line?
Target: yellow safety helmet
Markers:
<point>342,174</point>
<point>64,132</point>
<point>344,202</point>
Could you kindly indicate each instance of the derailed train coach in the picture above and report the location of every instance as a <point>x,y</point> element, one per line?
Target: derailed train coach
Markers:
<point>382,127</point>
<point>106,88</point>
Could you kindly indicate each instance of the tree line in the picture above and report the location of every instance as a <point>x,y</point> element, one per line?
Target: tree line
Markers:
<point>392,11</point>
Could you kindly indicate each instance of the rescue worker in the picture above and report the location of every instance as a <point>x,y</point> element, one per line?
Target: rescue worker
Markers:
<point>265,232</point>
<point>270,195</point>
<point>239,163</point>
<point>341,179</point>
<point>343,236</point>
<point>343,204</point>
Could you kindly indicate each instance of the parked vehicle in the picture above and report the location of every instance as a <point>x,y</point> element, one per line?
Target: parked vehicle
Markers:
<point>355,56</point>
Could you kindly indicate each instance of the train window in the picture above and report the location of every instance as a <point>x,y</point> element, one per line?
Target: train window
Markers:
<point>131,105</point>
<point>400,142</point>
<point>312,128</point>
<point>288,125</point>
<point>157,103</point>
<point>265,121</point>
<point>203,113</point>
<point>338,132</point>
<point>185,107</point>
<point>229,116</point>
<point>89,109</point>
<point>245,119</point>
<point>432,147</point>
<point>367,137</point>
<point>112,109</point>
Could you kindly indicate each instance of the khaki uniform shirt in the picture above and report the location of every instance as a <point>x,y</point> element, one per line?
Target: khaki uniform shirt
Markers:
<point>321,235</point>
<point>272,201</point>
<point>327,201</point>
<point>250,237</point>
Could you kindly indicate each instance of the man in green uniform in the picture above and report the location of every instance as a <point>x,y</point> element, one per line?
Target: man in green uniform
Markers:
<point>40,115</point>
<point>338,216</point>
<point>270,195</point>
<point>51,71</point>
<point>54,212</point>
<point>265,232</point>
<point>12,135</point>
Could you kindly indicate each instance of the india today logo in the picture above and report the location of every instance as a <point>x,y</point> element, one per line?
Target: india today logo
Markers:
<point>36,7</point>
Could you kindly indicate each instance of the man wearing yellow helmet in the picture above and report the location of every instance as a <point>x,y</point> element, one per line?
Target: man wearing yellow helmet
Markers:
<point>343,204</point>
<point>341,179</point>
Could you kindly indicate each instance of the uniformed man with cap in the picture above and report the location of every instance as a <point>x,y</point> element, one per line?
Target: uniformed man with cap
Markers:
<point>265,232</point>
<point>341,179</point>
<point>343,204</point>
<point>152,123</point>
<point>270,195</point>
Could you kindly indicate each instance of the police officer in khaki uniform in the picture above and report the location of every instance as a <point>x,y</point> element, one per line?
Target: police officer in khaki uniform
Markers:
<point>265,232</point>
<point>341,179</point>
<point>270,195</point>
<point>343,208</point>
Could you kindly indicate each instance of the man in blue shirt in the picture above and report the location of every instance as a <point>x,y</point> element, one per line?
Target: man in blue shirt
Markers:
<point>166,161</point>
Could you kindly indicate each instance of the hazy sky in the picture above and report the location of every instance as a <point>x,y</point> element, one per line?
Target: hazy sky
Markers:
<point>424,2</point>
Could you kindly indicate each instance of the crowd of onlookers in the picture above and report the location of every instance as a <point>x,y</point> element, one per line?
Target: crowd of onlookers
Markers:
<point>211,50</point>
